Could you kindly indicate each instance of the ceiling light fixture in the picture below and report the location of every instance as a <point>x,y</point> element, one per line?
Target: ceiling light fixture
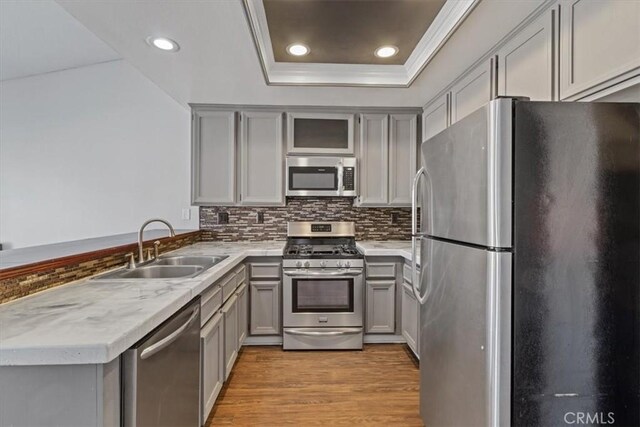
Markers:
<point>386,51</point>
<point>298,49</point>
<point>163,43</point>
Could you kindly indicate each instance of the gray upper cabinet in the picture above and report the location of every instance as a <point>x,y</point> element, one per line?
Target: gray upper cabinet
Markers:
<point>435,117</point>
<point>472,91</point>
<point>600,45</point>
<point>320,133</point>
<point>262,159</point>
<point>402,157</point>
<point>526,64</point>
<point>213,158</point>
<point>374,159</point>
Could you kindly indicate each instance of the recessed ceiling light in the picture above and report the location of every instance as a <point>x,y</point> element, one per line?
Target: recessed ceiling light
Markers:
<point>298,49</point>
<point>386,51</point>
<point>163,43</point>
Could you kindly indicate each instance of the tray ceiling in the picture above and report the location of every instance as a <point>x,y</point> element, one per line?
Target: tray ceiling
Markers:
<point>343,35</point>
<point>348,32</point>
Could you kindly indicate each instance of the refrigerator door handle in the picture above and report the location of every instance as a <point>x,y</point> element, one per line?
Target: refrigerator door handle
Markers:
<point>415,236</point>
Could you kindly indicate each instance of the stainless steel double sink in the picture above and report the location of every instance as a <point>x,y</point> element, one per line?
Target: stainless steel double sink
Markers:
<point>167,267</point>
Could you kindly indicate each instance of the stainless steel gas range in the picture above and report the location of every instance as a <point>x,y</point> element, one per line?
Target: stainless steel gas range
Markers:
<point>323,287</point>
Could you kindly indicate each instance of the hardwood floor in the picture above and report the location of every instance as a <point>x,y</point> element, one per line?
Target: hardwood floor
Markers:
<point>270,387</point>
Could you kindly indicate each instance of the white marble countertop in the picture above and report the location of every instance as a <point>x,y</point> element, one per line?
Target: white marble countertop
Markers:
<point>400,248</point>
<point>94,321</point>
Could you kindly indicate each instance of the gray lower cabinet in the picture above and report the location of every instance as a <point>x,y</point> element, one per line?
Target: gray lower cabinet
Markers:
<point>380,307</point>
<point>410,318</point>
<point>265,296</point>
<point>230,317</point>
<point>265,307</point>
<point>526,64</point>
<point>243,304</point>
<point>213,158</point>
<point>211,364</point>
<point>262,158</point>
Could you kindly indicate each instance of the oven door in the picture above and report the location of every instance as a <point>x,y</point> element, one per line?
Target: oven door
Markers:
<point>323,298</point>
<point>314,180</point>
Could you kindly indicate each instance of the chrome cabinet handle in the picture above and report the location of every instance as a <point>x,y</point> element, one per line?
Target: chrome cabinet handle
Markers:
<point>325,273</point>
<point>166,341</point>
<point>323,334</point>
<point>416,278</point>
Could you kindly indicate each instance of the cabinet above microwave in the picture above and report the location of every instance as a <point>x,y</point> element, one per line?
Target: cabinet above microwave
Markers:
<point>320,133</point>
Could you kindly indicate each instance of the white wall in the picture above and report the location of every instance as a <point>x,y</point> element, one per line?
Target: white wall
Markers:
<point>89,152</point>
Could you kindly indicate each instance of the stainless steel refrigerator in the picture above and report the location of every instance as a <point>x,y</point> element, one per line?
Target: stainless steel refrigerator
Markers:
<point>530,255</point>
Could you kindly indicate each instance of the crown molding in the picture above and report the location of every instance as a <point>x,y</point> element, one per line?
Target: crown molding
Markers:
<point>446,22</point>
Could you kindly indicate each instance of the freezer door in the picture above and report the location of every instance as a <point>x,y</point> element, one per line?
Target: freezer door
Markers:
<point>465,335</point>
<point>466,195</point>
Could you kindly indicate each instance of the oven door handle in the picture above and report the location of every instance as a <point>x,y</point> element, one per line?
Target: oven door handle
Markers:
<point>322,273</point>
<point>344,331</point>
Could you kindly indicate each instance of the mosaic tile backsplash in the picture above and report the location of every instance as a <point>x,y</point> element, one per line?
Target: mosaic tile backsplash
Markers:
<point>31,279</point>
<point>371,223</point>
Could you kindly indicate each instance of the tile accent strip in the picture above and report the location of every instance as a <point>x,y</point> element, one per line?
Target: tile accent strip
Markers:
<point>371,223</point>
<point>29,279</point>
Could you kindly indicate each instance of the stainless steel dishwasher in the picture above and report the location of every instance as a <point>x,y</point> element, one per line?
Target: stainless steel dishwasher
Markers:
<point>161,373</point>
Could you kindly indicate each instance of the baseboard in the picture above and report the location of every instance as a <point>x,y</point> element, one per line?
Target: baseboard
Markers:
<point>263,340</point>
<point>368,339</point>
<point>384,339</point>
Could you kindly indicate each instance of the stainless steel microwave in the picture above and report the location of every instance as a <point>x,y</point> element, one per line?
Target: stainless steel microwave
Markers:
<point>322,176</point>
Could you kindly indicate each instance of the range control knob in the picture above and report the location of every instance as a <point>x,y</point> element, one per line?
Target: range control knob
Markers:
<point>323,264</point>
<point>306,264</point>
<point>339,264</point>
<point>347,264</point>
<point>298,264</point>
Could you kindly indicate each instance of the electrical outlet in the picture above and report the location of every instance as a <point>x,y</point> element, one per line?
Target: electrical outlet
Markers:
<point>223,218</point>
<point>260,217</point>
<point>394,217</point>
<point>186,213</point>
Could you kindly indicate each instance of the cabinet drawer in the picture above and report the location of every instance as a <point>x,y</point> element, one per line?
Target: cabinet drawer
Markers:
<point>210,303</point>
<point>265,270</point>
<point>241,274</point>
<point>228,285</point>
<point>406,273</point>
<point>381,270</point>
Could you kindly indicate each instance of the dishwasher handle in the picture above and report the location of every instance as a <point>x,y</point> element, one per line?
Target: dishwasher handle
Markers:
<point>166,341</point>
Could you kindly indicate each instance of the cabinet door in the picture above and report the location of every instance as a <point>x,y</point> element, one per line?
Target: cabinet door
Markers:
<point>213,158</point>
<point>212,364</point>
<point>410,313</point>
<point>265,308</point>
<point>262,159</point>
<point>473,91</point>
<point>527,63</point>
<point>230,313</point>
<point>320,133</point>
<point>381,307</point>
<point>403,130</point>
<point>374,159</point>
<point>435,117</point>
<point>242,313</point>
<point>600,45</point>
